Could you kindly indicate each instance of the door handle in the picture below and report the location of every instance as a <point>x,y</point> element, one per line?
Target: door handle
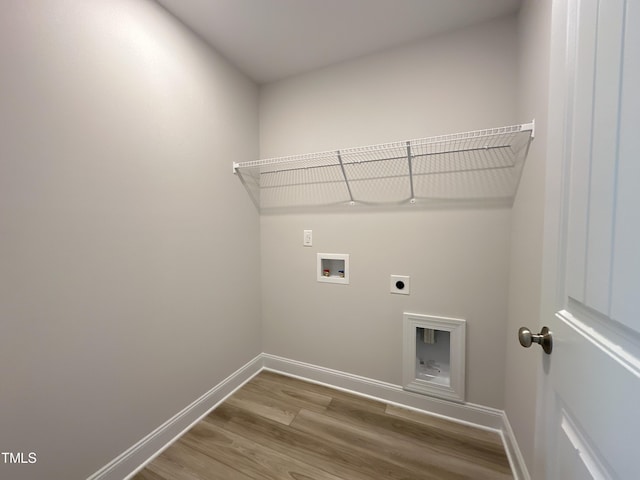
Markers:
<point>544,338</point>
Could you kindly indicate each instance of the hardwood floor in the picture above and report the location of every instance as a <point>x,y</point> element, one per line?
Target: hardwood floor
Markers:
<point>277,428</point>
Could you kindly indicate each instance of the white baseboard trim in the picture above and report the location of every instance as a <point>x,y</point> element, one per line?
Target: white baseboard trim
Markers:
<point>127,464</point>
<point>516,460</point>
<point>469,413</point>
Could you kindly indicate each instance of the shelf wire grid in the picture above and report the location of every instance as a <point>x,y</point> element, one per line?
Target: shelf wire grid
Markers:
<point>482,164</point>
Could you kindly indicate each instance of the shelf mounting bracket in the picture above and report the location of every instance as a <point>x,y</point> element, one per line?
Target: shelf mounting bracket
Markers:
<point>346,180</point>
<point>413,198</point>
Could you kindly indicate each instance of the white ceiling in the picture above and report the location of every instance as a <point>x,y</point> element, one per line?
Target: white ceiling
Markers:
<point>272,39</point>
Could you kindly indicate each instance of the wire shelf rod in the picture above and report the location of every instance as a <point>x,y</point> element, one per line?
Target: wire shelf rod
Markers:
<point>313,167</point>
<point>320,156</point>
<point>388,177</point>
<point>386,159</point>
<point>501,149</point>
<point>464,170</point>
<point>328,156</point>
<point>456,137</point>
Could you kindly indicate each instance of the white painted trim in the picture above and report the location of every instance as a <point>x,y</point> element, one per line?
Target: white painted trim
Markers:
<point>467,413</point>
<point>625,358</point>
<point>589,458</point>
<point>456,328</point>
<point>132,460</point>
<point>471,414</point>
<point>516,460</point>
<point>333,278</point>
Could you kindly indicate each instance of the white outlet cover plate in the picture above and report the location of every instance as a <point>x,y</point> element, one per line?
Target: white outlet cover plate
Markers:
<point>400,278</point>
<point>307,238</point>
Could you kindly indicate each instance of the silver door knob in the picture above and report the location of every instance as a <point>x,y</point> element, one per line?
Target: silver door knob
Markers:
<point>544,338</point>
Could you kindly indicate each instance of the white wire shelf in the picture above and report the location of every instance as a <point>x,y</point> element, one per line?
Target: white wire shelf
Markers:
<point>477,165</point>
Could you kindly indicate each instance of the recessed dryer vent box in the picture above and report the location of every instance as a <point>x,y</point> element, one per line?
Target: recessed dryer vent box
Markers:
<point>333,268</point>
<point>434,356</point>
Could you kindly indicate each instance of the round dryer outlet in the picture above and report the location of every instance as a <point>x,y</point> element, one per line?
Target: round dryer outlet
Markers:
<point>400,284</point>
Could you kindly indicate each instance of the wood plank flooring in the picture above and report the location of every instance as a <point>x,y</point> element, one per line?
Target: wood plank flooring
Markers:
<point>281,428</point>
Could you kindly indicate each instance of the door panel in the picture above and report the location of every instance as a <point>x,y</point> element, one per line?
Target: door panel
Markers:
<point>599,390</point>
<point>606,98</point>
<point>579,150</point>
<point>575,457</point>
<point>626,265</point>
<point>590,385</point>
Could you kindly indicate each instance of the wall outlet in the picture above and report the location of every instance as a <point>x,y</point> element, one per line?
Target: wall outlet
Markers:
<point>400,284</point>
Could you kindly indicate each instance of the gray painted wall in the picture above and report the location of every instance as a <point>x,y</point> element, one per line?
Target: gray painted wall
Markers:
<point>525,272</point>
<point>128,252</point>
<point>129,255</point>
<point>458,258</point>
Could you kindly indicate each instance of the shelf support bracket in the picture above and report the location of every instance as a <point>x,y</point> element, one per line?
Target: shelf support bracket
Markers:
<point>530,126</point>
<point>346,181</point>
<point>413,198</point>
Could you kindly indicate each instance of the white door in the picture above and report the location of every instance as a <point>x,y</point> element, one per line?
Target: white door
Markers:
<point>589,406</point>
